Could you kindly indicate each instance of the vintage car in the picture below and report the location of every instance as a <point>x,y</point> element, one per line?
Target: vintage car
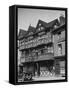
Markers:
<point>27,76</point>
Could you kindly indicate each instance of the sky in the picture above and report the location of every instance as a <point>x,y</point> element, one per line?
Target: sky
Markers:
<point>28,17</point>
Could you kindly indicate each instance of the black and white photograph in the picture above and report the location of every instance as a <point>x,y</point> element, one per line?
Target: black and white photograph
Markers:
<point>34,45</point>
<point>41,45</point>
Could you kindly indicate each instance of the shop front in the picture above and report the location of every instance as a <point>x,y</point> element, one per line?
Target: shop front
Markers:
<point>44,68</point>
<point>60,66</point>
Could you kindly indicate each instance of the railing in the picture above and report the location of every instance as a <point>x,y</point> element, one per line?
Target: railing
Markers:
<point>36,42</point>
<point>47,56</point>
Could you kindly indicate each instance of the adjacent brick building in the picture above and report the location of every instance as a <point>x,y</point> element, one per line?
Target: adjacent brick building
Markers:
<point>59,47</point>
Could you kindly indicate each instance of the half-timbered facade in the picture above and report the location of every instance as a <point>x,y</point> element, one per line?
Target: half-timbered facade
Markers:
<point>40,47</point>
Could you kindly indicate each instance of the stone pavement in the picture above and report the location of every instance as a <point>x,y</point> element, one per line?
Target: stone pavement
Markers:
<point>47,78</point>
<point>44,78</point>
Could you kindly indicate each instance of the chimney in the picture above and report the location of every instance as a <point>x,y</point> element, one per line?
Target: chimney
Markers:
<point>62,20</point>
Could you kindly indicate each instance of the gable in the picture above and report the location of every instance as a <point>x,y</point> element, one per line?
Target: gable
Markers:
<point>21,34</point>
